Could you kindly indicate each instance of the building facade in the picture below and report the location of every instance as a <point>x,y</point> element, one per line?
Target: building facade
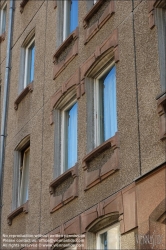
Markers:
<point>83,124</point>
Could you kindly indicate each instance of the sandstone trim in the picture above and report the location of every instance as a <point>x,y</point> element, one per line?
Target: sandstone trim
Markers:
<point>29,88</point>
<point>22,209</point>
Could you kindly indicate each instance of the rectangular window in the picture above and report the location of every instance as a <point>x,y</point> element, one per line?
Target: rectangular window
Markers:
<point>109,238</point>
<point>69,137</point>
<point>105,114</point>
<point>24,176</point>
<point>3,13</point>
<point>70,17</point>
<point>29,63</point>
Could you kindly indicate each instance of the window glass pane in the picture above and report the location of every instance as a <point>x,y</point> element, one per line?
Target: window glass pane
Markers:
<point>109,97</point>
<point>73,15</point>
<point>109,238</point>
<point>72,136</point>
<point>32,50</point>
<point>30,64</point>
<point>103,241</point>
<point>24,178</point>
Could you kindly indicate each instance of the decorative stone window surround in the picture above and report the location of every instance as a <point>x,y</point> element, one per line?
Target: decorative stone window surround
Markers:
<point>22,5</point>
<point>28,89</point>
<point>93,29</point>
<point>94,177</point>
<point>22,209</point>
<point>161,109</point>
<point>118,203</point>
<point>110,43</point>
<point>151,6</point>
<point>59,67</point>
<point>57,202</point>
<point>73,82</point>
<point>71,86</point>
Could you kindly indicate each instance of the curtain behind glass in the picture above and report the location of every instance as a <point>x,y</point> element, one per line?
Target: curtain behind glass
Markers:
<point>109,96</point>
<point>72,136</point>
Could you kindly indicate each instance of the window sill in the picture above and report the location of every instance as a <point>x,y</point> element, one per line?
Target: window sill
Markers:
<point>60,66</point>
<point>2,37</point>
<point>112,165</point>
<point>22,209</point>
<point>57,202</point>
<point>92,11</point>
<point>28,89</point>
<point>22,5</point>
<point>93,29</point>
<point>161,109</point>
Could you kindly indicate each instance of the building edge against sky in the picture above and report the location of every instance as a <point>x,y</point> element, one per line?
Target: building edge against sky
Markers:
<point>83,124</point>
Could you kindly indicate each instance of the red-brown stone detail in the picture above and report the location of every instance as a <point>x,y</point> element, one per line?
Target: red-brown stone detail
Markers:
<point>92,11</point>
<point>73,226</point>
<point>22,5</point>
<point>161,108</point>
<point>110,42</point>
<point>74,81</point>
<point>21,209</point>
<point>59,67</point>
<point>57,202</point>
<point>151,6</point>
<point>93,29</point>
<point>96,176</point>
<point>29,88</point>
<point>87,217</point>
<point>129,207</point>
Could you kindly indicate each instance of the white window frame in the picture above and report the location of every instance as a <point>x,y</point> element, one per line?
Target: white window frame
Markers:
<point>64,136</point>
<point>97,109</point>
<point>3,12</point>
<point>24,177</point>
<point>95,1</point>
<point>66,19</point>
<point>26,68</point>
<point>98,242</point>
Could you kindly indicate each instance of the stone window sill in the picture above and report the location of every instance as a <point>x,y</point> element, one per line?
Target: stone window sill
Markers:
<point>22,209</point>
<point>96,176</point>
<point>92,11</point>
<point>60,66</point>
<point>161,109</point>
<point>57,202</point>
<point>28,89</point>
<point>93,29</point>
<point>2,37</point>
<point>22,5</point>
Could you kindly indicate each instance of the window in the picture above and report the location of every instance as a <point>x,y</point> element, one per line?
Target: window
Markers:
<point>109,238</point>
<point>69,136</point>
<point>24,176</point>
<point>70,17</point>
<point>3,18</point>
<point>21,173</point>
<point>29,62</point>
<point>105,115</point>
